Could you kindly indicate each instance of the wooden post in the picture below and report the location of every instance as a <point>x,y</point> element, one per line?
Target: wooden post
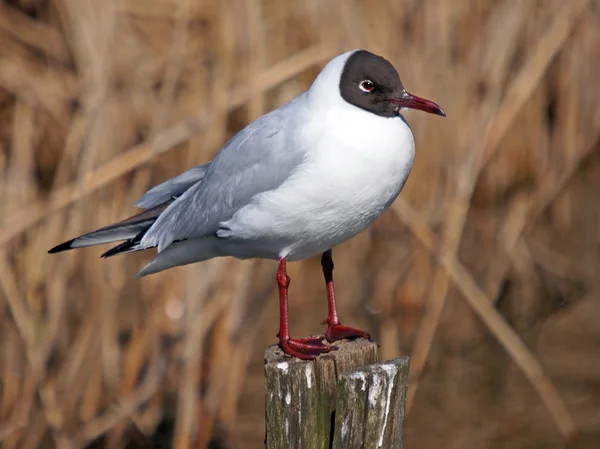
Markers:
<point>341,400</point>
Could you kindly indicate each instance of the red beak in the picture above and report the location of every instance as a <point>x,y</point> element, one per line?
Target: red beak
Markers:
<point>410,101</point>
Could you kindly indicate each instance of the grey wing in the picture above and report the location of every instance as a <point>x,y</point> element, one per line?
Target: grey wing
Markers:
<point>258,159</point>
<point>172,188</point>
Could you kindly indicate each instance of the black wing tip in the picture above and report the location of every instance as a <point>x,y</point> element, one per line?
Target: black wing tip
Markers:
<point>62,247</point>
<point>113,251</point>
<point>125,247</point>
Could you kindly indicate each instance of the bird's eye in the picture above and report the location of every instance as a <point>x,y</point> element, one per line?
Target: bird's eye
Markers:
<point>366,86</point>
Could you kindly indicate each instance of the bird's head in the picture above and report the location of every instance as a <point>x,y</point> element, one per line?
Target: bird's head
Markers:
<point>369,82</point>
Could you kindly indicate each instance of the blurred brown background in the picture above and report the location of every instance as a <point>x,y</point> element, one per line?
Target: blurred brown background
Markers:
<point>485,271</point>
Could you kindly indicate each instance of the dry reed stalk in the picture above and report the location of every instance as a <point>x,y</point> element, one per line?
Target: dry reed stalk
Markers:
<point>18,398</point>
<point>257,53</point>
<point>518,92</point>
<point>222,400</point>
<point>516,224</point>
<point>174,67</point>
<point>124,409</point>
<point>23,321</point>
<point>226,374</point>
<point>21,74</point>
<point>188,411</point>
<point>196,325</point>
<point>554,262</point>
<point>494,67</point>
<point>162,9</point>
<point>483,307</point>
<point>134,364</point>
<point>42,37</point>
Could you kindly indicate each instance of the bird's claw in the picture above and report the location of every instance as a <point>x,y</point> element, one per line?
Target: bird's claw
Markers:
<point>338,331</point>
<point>305,348</point>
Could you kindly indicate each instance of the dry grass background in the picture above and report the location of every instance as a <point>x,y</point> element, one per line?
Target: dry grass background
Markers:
<point>485,270</point>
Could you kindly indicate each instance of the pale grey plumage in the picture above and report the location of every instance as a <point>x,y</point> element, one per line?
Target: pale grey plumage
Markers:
<point>173,188</point>
<point>254,161</point>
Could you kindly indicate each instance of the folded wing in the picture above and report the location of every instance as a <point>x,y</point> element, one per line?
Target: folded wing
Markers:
<point>193,204</point>
<point>258,159</point>
<point>173,188</point>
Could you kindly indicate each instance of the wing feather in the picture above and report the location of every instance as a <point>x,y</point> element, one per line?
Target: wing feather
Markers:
<point>123,230</point>
<point>256,160</point>
<point>172,188</point>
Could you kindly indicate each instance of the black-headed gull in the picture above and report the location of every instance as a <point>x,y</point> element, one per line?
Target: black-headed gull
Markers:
<point>291,185</point>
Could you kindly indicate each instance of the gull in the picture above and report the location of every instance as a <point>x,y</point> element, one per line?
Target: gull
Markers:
<point>291,185</point>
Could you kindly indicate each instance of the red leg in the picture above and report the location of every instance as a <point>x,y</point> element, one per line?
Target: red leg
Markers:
<point>303,348</point>
<point>335,330</point>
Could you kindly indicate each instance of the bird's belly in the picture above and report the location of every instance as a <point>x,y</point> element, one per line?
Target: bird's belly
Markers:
<point>318,210</point>
<point>341,211</point>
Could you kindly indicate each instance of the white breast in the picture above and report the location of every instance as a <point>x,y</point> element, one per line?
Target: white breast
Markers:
<point>356,165</point>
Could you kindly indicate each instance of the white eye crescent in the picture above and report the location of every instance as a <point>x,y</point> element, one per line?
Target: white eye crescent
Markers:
<point>366,86</point>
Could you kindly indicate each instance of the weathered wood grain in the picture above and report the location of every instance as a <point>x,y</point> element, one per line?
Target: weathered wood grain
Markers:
<point>341,400</point>
<point>300,396</point>
<point>370,406</point>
